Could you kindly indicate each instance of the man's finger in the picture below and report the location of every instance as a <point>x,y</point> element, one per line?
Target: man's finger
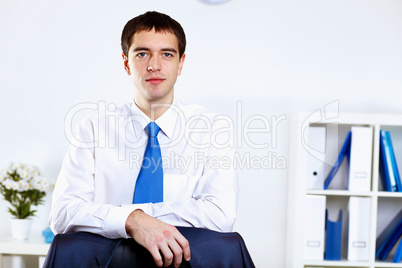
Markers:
<point>185,246</point>
<point>177,253</point>
<point>167,254</point>
<point>156,255</point>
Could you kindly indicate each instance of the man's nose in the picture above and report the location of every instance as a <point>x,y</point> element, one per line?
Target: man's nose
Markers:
<point>154,64</point>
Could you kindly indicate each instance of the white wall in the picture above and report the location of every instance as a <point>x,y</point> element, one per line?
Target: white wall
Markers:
<point>274,57</point>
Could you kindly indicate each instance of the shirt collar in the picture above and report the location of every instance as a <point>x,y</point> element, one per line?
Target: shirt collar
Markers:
<point>139,118</point>
<point>167,121</point>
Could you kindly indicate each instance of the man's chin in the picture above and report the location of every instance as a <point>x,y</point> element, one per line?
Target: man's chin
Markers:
<point>156,96</point>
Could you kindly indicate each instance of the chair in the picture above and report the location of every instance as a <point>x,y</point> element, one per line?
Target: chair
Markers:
<point>208,249</point>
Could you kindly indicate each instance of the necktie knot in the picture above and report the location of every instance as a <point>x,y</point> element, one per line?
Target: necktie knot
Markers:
<point>152,129</point>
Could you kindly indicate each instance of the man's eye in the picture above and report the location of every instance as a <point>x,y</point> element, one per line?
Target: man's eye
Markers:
<point>167,55</point>
<point>141,54</point>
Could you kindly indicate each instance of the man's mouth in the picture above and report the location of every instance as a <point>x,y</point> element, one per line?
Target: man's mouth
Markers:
<point>155,80</point>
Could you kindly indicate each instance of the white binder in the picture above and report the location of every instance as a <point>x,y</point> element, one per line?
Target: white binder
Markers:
<point>360,159</point>
<point>359,224</point>
<point>316,167</point>
<point>314,227</point>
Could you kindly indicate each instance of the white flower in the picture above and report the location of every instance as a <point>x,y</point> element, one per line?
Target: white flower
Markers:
<point>22,173</point>
<point>3,175</point>
<point>45,186</point>
<point>8,183</point>
<point>37,186</point>
<point>41,184</point>
<point>14,185</point>
<point>23,186</point>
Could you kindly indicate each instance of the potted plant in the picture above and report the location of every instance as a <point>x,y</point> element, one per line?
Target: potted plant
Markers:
<point>23,187</point>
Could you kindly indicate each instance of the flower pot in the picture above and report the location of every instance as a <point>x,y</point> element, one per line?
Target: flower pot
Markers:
<point>20,229</point>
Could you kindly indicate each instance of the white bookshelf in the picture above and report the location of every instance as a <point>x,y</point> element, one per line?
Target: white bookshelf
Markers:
<point>383,205</point>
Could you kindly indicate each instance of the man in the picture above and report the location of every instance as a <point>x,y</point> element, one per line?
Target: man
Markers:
<point>98,189</point>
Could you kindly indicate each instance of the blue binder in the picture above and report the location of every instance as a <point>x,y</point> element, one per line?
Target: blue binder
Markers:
<point>388,167</point>
<point>391,242</point>
<point>386,240</point>
<point>385,172</point>
<point>344,151</point>
<point>333,238</point>
<point>398,253</point>
<point>398,186</point>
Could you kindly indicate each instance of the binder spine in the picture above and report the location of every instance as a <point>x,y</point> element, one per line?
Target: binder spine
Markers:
<point>387,169</point>
<point>360,159</point>
<point>333,238</point>
<point>314,227</point>
<point>358,236</point>
<point>316,167</point>
<point>398,185</point>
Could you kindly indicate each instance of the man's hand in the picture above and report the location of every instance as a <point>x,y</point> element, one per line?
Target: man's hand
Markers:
<point>158,237</point>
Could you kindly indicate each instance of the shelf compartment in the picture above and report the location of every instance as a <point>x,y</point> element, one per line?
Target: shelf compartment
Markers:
<point>390,194</point>
<point>339,193</point>
<point>384,264</point>
<point>342,263</point>
<point>388,208</point>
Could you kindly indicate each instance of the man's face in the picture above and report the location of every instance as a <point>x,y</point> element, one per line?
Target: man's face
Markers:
<point>154,64</point>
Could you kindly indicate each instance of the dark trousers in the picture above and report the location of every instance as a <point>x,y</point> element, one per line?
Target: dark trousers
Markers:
<point>208,249</point>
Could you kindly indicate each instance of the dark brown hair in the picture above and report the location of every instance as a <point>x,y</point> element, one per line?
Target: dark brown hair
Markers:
<point>149,21</point>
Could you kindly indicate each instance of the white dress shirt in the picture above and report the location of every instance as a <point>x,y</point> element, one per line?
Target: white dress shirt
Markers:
<point>95,187</point>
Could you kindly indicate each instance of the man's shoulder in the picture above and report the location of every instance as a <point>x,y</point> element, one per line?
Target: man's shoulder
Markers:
<point>191,110</point>
<point>122,110</point>
<point>197,116</point>
<point>103,112</point>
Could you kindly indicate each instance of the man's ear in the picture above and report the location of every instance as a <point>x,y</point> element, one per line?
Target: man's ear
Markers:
<point>125,62</point>
<point>181,62</point>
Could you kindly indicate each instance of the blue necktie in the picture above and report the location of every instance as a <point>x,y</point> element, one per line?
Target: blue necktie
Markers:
<point>149,185</point>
